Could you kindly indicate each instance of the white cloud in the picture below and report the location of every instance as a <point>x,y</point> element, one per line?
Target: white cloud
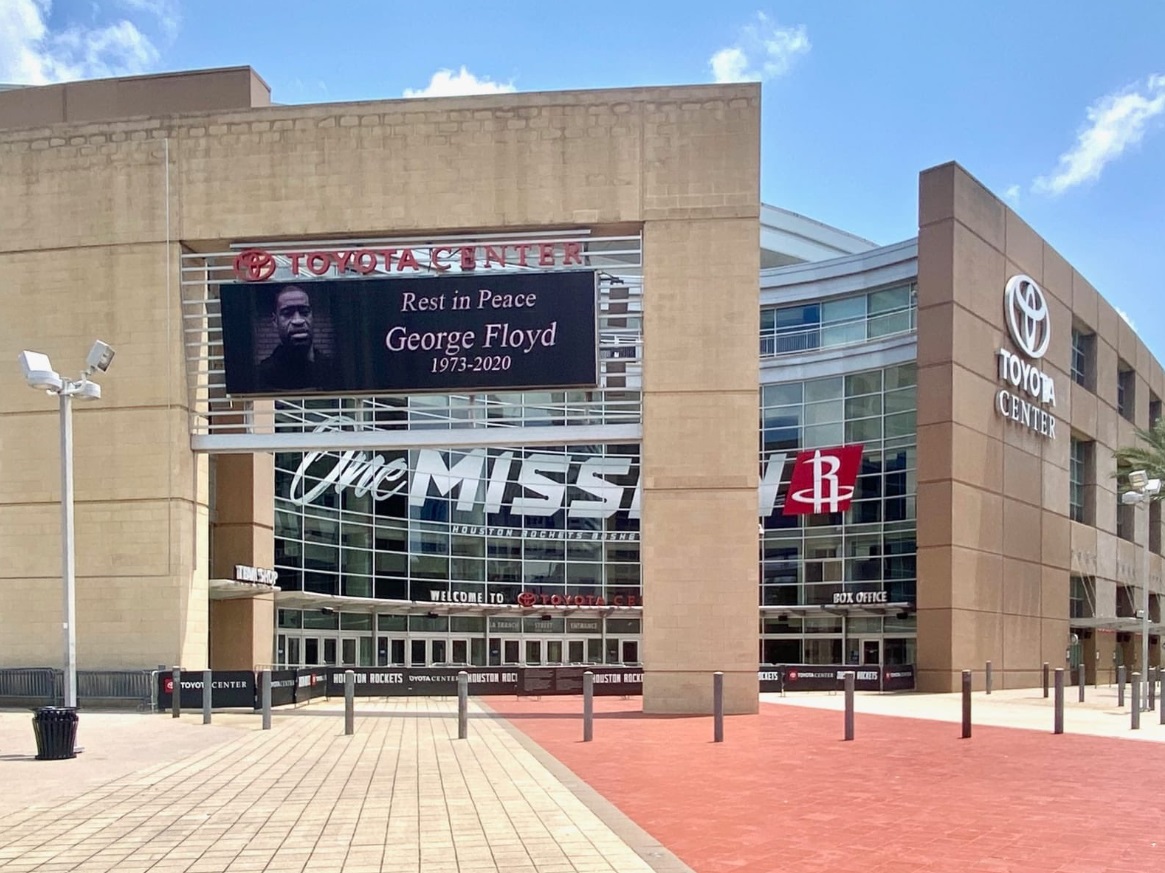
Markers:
<point>1125,316</point>
<point>446,83</point>
<point>31,54</point>
<point>1115,122</point>
<point>166,11</point>
<point>763,51</point>
<point>1012,193</point>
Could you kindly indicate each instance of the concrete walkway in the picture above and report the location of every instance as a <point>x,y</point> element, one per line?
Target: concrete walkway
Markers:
<point>1024,709</point>
<point>401,796</point>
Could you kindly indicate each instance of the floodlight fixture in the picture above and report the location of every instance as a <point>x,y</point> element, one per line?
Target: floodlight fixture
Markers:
<point>39,372</point>
<point>100,357</point>
<point>1130,498</point>
<point>1138,479</point>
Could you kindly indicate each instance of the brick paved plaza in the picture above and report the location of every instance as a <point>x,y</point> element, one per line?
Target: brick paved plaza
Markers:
<point>782,793</point>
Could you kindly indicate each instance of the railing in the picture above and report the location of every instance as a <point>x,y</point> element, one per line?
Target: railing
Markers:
<point>98,689</point>
<point>838,334</point>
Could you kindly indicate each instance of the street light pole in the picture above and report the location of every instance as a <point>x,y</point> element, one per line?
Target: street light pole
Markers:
<point>1145,611</point>
<point>68,569</point>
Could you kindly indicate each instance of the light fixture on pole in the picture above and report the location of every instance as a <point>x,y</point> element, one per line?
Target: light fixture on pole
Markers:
<point>1143,491</point>
<point>39,374</point>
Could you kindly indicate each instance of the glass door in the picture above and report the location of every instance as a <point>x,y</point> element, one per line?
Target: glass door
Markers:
<point>312,651</point>
<point>575,653</point>
<point>871,651</point>
<point>418,653</point>
<point>630,651</point>
<point>533,652</point>
<point>390,652</point>
<point>554,651</point>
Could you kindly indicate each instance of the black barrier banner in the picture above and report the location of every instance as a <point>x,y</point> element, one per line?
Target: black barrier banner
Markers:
<point>569,680</point>
<point>898,678</point>
<point>422,681</point>
<point>283,684</point>
<point>229,689</point>
<point>459,332</point>
<point>831,677</point>
<point>311,683</point>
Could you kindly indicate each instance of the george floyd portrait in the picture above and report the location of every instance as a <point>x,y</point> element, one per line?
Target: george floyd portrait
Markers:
<point>302,359</point>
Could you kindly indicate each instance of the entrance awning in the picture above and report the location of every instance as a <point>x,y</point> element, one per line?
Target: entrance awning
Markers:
<point>851,610</point>
<point>230,589</point>
<point>368,605</point>
<point>1123,624</point>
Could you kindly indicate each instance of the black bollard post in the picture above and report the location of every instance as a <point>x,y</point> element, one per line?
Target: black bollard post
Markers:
<point>849,705</point>
<point>717,707</point>
<point>1080,678</point>
<point>349,703</point>
<point>1058,721</point>
<point>176,699</point>
<point>265,698</point>
<point>1120,686</point>
<point>966,704</point>
<point>990,677</point>
<point>1045,678</point>
<point>588,706</point>
<point>462,705</point>
<point>206,690</point>
<point>1136,708</point>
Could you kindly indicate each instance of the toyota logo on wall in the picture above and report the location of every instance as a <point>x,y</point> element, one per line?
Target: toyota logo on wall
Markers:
<point>1027,316</point>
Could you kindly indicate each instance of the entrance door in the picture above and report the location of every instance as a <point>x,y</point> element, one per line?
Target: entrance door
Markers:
<point>311,651</point>
<point>871,651</point>
<point>575,653</point>
<point>390,652</point>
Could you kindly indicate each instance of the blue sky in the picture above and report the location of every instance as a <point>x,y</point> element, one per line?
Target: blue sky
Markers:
<point>1059,105</point>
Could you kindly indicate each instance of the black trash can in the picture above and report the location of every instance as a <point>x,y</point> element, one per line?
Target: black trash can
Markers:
<point>56,732</point>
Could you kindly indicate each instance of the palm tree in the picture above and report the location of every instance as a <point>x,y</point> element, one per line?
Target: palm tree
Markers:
<point>1148,455</point>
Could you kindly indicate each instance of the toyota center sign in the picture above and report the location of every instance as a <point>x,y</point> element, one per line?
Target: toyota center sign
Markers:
<point>1031,393</point>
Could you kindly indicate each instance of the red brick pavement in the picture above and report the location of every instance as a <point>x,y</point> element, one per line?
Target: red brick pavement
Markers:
<point>785,793</point>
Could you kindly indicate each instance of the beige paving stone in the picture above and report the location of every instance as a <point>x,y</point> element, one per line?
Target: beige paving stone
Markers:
<point>401,796</point>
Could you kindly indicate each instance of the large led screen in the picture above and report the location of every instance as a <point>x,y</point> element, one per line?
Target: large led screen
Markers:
<point>443,333</point>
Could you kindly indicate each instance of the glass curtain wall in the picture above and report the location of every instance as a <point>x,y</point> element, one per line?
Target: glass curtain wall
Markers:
<point>807,560</point>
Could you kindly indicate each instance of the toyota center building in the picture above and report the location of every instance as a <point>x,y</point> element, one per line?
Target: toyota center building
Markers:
<point>529,380</point>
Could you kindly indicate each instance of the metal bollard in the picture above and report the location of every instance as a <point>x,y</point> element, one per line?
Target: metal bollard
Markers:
<point>849,705</point>
<point>989,677</point>
<point>718,707</point>
<point>206,692</point>
<point>265,698</point>
<point>176,697</point>
<point>1151,704</point>
<point>1058,721</point>
<point>1162,705</point>
<point>588,706</point>
<point>349,703</point>
<point>1045,678</point>
<point>1136,708</point>
<point>462,705</point>
<point>966,704</point>
<point>1120,686</point>
<point>1080,681</point>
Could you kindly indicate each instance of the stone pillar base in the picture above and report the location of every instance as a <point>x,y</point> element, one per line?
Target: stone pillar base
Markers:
<point>689,692</point>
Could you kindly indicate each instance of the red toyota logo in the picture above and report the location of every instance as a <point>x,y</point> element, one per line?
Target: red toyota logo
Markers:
<point>526,599</point>
<point>168,685</point>
<point>792,677</point>
<point>254,265</point>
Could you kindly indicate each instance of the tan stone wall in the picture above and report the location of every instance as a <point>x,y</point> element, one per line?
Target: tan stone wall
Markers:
<point>242,631</point>
<point>995,544</point>
<point>89,201</point>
